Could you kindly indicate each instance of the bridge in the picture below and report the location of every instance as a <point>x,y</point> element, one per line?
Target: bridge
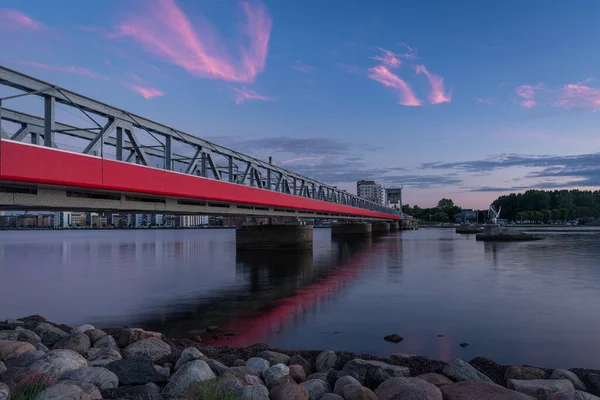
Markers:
<point>118,161</point>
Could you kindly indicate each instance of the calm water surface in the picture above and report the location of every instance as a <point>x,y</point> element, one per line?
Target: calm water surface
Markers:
<point>532,302</point>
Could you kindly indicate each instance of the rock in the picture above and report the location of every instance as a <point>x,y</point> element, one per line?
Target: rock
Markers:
<point>333,376</point>
<point>10,349</point>
<point>238,372</point>
<point>574,395</point>
<point>594,382</point>
<point>258,365</point>
<point>95,335</point>
<point>407,389</point>
<point>326,360</point>
<point>188,354</point>
<point>376,371</point>
<point>9,335</point>
<point>281,381</point>
<point>540,388</point>
<point>318,375</point>
<point>100,363</point>
<point>99,377</point>
<point>298,360</point>
<point>343,381</point>
<point>4,392</point>
<point>217,367</point>
<point>316,388</point>
<point>229,383</point>
<point>49,333</point>
<point>252,380</point>
<point>460,370</point>
<point>401,356</point>
<point>135,371</point>
<point>16,378</point>
<point>463,345</point>
<point>275,372</point>
<point>41,347</point>
<point>570,376</point>
<point>71,390</point>
<point>252,393</point>
<point>82,329</point>
<point>165,371</point>
<point>239,363</point>
<point>78,342</point>
<point>193,371</point>
<point>2,367</point>
<point>104,354</point>
<point>524,373</point>
<point>26,359</point>
<point>131,335</point>
<point>435,379</point>
<point>57,362</point>
<point>149,391</point>
<point>288,391</point>
<point>331,396</point>
<point>152,349</point>
<point>394,338</point>
<point>212,328</point>
<point>357,392</point>
<point>106,342</point>
<point>297,373</point>
<point>476,390</point>
<point>28,336</point>
<point>274,358</point>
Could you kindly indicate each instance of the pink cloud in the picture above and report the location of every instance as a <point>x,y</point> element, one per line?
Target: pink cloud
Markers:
<point>437,94</point>
<point>244,94</point>
<point>384,76</point>
<point>527,92</point>
<point>578,95</point>
<point>15,19</point>
<point>388,58</point>
<point>484,100</point>
<point>145,92</point>
<point>69,70</point>
<point>303,67</point>
<point>163,29</point>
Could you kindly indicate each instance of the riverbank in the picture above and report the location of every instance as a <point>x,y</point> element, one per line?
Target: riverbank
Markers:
<point>50,361</point>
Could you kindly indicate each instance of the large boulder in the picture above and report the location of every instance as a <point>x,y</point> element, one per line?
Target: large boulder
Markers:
<point>49,333</point>
<point>26,359</point>
<point>435,379</point>
<point>82,328</point>
<point>78,342</point>
<point>95,335</point>
<point>573,395</point>
<point>460,370</point>
<point>281,381</point>
<point>274,373</point>
<point>149,391</point>
<point>376,371</point>
<point>540,388</point>
<point>297,373</point>
<point>193,371</point>
<point>570,376</point>
<point>523,372</point>
<point>298,360</point>
<point>343,381</point>
<point>104,354</point>
<point>99,377</point>
<point>357,392</point>
<point>106,342</point>
<point>72,390</point>
<point>25,335</point>
<point>9,335</point>
<point>132,335</point>
<point>288,391</point>
<point>4,392</point>
<point>326,361</point>
<point>407,389</point>
<point>187,355</point>
<point>57,362</point>
<point>476,390</point>
<point>252,393</point>
<point>331,396</point>
<point>217,367</point>
<point>10,349</point>
<point>238,372</point>
<point>258,365</point>
<point>274,358</point>
<point>17,378</point>
<point>594,382</point>
<point>318,375</point>
<point>152,349</point>
<point>135,371</point>
<point>316,388</point>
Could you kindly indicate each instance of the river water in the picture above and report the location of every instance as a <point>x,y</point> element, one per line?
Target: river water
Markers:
<point>534,303</point>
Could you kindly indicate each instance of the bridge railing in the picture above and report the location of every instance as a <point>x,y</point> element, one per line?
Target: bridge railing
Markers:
<point>116,134</point>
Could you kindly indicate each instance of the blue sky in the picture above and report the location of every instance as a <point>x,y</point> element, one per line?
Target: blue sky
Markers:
<point>466,99</point>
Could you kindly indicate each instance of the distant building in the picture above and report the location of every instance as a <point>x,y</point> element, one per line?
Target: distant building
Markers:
<point>78,219</point>
<point>465,217</point>
<point>62,220</point>
<point>189,221</point>
<point>369,190</point>
<point>393,197</point>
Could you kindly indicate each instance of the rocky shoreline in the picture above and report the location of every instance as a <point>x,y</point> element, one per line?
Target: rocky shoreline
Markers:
<point>47,361</point>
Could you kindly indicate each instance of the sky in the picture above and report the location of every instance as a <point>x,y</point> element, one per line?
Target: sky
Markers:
<point>465,99</point>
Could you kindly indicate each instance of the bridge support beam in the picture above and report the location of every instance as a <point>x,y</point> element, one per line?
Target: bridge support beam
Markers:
<point>394,226</point>
<point>381,228</point>
<point>277,237</point>
<point>351,230</point>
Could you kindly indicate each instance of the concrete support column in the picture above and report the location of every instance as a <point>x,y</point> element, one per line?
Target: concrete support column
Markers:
<point>381,228</point>
<point>351,229</point>
<point>394,226</point>
<point>278,237</point>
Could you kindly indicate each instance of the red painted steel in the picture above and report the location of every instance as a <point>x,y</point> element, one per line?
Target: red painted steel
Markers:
<point>21,162</point>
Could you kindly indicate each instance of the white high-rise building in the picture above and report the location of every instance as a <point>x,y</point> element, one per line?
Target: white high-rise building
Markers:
<point>62,220</point>
<point>369,190</point>
<point>188,221</point>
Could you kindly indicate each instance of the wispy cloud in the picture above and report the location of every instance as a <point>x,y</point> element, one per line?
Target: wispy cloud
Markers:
<point>388,58</point>
<point>528,92</point>
<point>484,100</point>
<point>16,20</point>
<point>145,92</point>
<point>438,94</point>
<point>302,67</point>
<point>68,70</point>
<point>578,95</point>
<point>163,29</point>
<point>384,76</point>
<point>242,95</point>
<point>307,158</point>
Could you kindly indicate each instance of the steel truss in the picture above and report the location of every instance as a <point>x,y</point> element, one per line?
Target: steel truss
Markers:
<point>119,133</point>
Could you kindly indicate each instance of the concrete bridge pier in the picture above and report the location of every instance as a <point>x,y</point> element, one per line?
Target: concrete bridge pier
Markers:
<point>354,229</point>
<point>381,228</point>
<point>394,226</point>
<point>276,237</point>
